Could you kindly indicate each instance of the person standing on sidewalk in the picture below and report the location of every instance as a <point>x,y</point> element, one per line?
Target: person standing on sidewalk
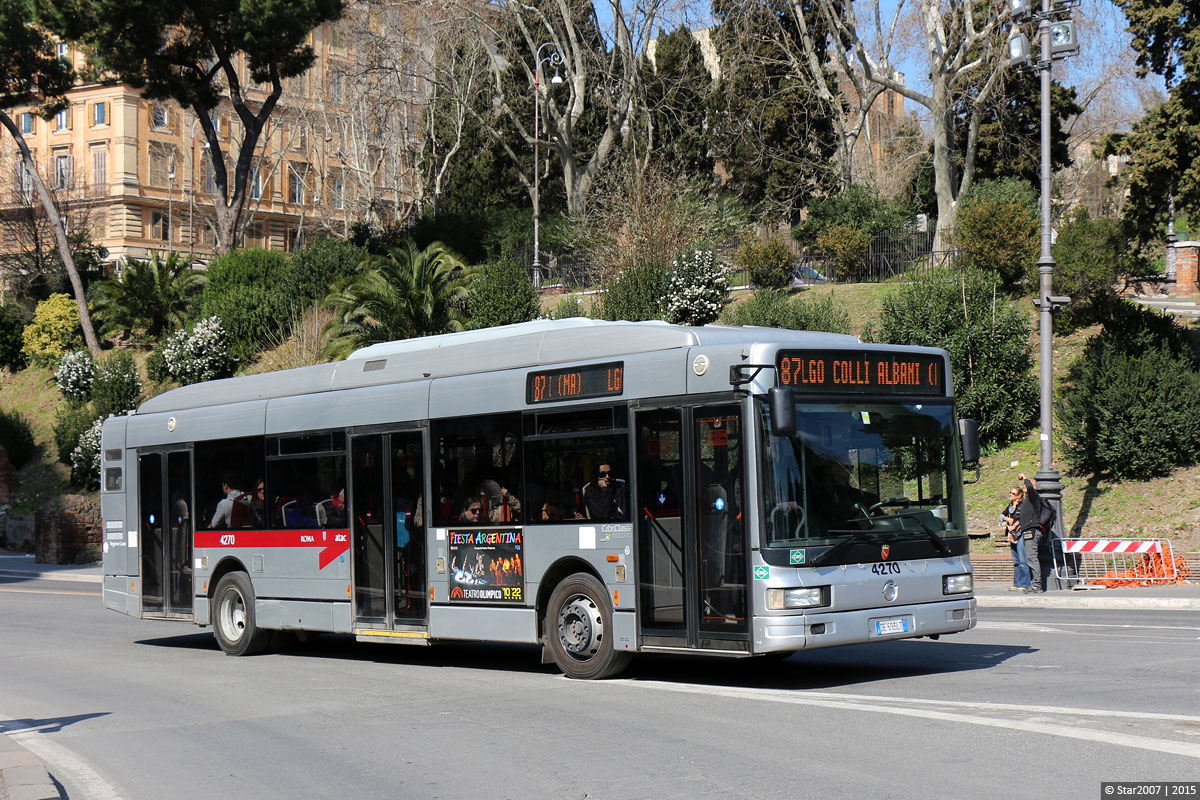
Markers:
<point>1029,530</point>
<point>1015,545</point>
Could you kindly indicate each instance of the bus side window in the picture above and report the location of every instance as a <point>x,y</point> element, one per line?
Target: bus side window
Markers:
<point>562,473</point>
<point>236,460</point>
<point>475,458</point>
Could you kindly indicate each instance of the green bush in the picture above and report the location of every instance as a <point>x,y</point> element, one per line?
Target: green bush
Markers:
<point>117,387</point>
<point>567,307</point>
<point>1131,408</point>
<point>773,308</point>
<point>988,342</point>
<point>68,427</point>
<point>501,294</point>
<point>997,229</point>
<point>247,290</point>
<point>156,366</point>
<point>769,263</point>
<point>697,289</point>
<point>1088,256</point>
<point>13,320</point>
<point>634,295</point>
<point>311,272</point>
<point>858,207</point>
<point>16,437</point>
<point>55,330</point>
<point>847,245</point>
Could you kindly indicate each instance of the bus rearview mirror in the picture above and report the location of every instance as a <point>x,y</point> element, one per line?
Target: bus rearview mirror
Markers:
<point>968,430</point>
<point>783,410</point>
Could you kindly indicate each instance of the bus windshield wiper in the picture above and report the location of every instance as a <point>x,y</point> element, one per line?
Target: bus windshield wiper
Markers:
<point>938,541</point>
<point>854,537</point>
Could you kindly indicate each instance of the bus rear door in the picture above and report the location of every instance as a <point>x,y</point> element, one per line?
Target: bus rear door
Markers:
<point>691,567</point>
<point>165,519</point>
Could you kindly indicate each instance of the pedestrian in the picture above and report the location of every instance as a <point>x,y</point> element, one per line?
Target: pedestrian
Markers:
<point>1008,517</point>
<point>1030,532</point>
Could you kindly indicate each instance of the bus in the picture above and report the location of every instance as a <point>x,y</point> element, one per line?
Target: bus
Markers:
<point>596,488</point>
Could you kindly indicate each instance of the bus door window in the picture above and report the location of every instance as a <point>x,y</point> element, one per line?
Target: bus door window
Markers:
<point>478,459</point>
<point>721,519</point>
<point>150,490</point>
<point>662,563</point>
<point>408,508</point>
<point>370,566</point>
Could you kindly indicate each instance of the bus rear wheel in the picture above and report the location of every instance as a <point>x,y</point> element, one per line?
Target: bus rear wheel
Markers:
<point>233,621</point>
<point>579,629</point>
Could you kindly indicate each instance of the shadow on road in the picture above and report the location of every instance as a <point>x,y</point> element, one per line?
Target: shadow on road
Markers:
<point>47,725</point>
<point>815,669</point>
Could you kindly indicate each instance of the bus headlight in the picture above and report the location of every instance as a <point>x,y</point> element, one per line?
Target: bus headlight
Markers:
<point>806,597</point>
<point>957,584</point>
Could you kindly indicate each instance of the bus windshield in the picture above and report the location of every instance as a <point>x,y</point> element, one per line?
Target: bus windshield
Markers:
<point>888,471</point>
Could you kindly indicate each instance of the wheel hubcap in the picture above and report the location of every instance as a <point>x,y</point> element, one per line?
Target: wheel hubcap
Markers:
<point>580,627</point>
<point>233,616</point>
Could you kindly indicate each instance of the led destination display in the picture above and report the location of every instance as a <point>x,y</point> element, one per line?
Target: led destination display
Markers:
<point>575,383</point>
<point>862,372</point>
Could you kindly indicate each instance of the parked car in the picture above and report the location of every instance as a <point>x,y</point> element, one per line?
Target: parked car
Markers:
<point>807,276</point>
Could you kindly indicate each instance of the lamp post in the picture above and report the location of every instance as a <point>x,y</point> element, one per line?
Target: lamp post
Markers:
<point>192,185</point>
<point>171,200</point>
<point>1057,34</point>
<point>554,58</point>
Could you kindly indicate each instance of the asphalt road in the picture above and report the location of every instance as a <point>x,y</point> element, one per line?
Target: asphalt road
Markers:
<point>1032,703</point>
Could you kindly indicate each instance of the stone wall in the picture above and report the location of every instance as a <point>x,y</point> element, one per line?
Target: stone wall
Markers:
<point>68,530</point>
<point>1187,277</point>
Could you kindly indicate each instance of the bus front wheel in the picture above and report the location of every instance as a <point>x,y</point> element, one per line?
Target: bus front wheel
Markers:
<point>579,629</point>
<point>233,621</point>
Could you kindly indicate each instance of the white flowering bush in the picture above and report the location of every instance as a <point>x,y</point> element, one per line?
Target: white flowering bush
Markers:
<point>85,458</point>
<point>74,376</point>
<point>201,353</point>
<point>117,387</point>
<point>697,289</point>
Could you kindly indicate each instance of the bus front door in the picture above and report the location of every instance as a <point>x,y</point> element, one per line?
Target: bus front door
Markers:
<point>691,528</point>
<point>386,486</point>
<point>165,497</point>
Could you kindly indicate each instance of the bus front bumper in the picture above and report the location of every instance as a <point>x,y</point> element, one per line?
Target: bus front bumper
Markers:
<point>859,626</point>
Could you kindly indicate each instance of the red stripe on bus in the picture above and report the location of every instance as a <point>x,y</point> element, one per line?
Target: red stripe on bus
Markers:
<point>335,541</point>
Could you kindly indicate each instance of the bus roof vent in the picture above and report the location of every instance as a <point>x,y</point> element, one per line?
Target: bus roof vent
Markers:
<point>375,366</point>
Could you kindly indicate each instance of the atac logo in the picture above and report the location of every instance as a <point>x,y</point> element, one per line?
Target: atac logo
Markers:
<point>884,552</point>
<point>456,593</point>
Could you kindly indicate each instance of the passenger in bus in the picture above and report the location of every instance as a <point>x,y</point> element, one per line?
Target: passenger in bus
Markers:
<point>472,512</point>
<point>224,516</point>
<point>501,506</point>
<point>258,505</point>
<point>605,496</point>
<point>551,512</point>
<point>335,510</point>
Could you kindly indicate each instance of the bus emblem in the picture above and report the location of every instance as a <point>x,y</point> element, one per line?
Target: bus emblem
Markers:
<point>884,552</point>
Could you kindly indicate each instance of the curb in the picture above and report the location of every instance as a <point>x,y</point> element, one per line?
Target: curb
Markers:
<point>51,575</point>
<point>23,776</point>
<point>1090,602</point>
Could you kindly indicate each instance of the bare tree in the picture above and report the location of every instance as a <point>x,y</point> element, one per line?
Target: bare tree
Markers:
<point>962,42</point>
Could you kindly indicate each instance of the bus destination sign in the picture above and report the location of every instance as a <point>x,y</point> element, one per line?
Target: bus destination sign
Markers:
<point>575,383</point>
<point>861,372</point>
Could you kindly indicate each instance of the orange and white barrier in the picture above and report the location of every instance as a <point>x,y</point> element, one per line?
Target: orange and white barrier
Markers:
<point>1117,562</point>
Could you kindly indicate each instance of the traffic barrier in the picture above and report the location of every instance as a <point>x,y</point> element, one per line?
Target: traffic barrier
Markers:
<point>1117,562</point>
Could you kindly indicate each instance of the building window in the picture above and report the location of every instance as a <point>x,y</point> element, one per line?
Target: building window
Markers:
<point>160,226</point>
<point>210,174</point>
<point>62,120</point>
<point>99,167</point>
<point>337,38</point>
<point>296,185</point>
<point>24,182</point>
<point>62,171</point>
<point>64,51</point>
<point>162,164</point>
<point>255,182</point>
<point>26,119</point>
<point>335,87</point>
<point>337,192</point>
<point>100,114</point>
<point>159,118</point>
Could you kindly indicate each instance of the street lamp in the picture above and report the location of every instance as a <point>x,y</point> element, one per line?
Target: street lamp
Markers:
<point>554,58</point>
<point>192,184</point>
<point>1057,33</point>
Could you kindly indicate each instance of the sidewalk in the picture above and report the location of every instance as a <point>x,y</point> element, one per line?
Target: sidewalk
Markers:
<point>22,774</point>
<point>16,565</point>
<point>1167,597</point>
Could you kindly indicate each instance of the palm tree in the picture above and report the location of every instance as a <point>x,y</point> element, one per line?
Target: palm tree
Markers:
<point>152,296</point>
<point>403,295</point>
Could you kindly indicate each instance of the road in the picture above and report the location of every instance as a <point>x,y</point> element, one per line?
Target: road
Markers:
<point>1033,702</point>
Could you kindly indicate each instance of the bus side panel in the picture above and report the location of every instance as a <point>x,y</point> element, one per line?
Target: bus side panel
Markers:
<point>372,405</point>
<point>303,615</point>
<point>478,623</point>
<point>279,572</point>
<point>196,424</point>
<point>118,510</point>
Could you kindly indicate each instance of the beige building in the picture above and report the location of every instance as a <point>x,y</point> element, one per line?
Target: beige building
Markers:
<point>137,174</point>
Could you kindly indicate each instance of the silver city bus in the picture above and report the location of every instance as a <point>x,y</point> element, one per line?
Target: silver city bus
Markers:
<point>597,488</point>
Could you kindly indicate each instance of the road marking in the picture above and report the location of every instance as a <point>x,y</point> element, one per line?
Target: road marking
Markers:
<point>1042,626</point>
<point>871,704</point>
<point>47,591</point>
<point>67,767</point>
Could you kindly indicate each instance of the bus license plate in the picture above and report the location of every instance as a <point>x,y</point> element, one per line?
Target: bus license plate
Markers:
<point>886,627</point>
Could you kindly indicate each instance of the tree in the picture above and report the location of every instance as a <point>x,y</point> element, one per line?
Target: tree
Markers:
<point>32,74</point>
<point>770,131</point>
<point>193,52</point>
<point>963,43</point>
<point>1162,176</point>
<point>677,89</point>
<point>153,296</point>
<point>502,294</point>
<point>406,294</point>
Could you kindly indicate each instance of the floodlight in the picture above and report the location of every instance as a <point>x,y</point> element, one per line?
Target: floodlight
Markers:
<point>1018,50</point>
<point>1062,37</point>
<point>1021,9</point>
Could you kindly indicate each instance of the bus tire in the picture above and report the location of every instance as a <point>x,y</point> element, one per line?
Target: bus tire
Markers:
<point>578,628</point>
<point>233,620</point>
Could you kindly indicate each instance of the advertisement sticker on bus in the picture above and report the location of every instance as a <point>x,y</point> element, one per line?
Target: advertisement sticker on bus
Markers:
<point>486,566</point>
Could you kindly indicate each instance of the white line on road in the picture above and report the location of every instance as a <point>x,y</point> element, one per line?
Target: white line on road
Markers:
<point>860,703</point>
<point>1055,625</point>
<point>69,768</point>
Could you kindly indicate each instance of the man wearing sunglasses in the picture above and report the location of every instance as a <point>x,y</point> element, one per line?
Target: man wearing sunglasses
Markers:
<point>605,496</point>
